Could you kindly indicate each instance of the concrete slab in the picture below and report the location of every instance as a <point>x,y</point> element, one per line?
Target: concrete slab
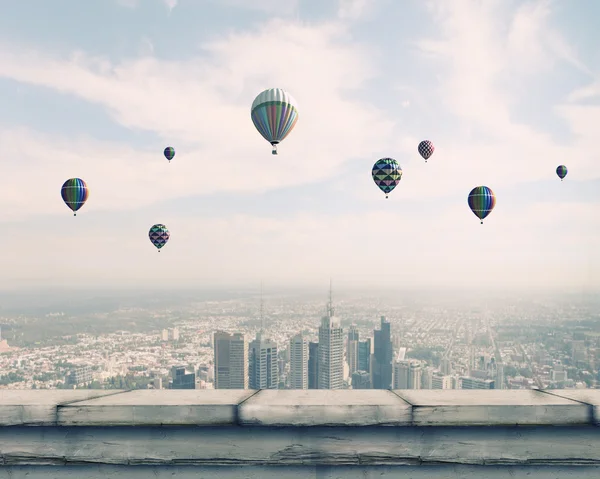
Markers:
<point>362,407</point>
<point>37,407</point>
<point>587,396</point>
<point>157,407</point>
<point>492,408</point>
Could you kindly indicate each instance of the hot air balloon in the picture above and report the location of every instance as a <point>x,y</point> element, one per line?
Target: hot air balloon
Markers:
<point>561,171</point>
<point>74,193</point>
<point>159,235</point>
<point>169,153</point>
<point>426,149</point>
<point>274,114</point>
<point>482,201</point>
<point>386,174</point>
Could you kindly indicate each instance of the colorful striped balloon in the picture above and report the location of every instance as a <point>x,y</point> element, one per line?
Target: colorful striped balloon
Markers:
<point>74,193</point>
<point>169,153</point>
<point>482,201</point>
<point>386,174</point>
<point>274,114</point>
<point>561,171</point>
<point>159,235</point>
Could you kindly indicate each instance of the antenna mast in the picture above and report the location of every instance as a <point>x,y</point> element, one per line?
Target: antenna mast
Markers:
<point>330,309</point>
<point>262,308</point>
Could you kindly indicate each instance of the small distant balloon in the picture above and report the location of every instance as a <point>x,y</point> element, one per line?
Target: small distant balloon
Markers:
<point>274,113</point>
<point>74,193</point>
<point>482,201</point>
<point>386,174</point>
<point>561,171</point>
<point>159,235</point>
<point>169,153</point>
<point>426,149</point>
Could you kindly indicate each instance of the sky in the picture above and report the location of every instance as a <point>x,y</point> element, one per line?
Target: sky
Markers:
<point>506,90</point>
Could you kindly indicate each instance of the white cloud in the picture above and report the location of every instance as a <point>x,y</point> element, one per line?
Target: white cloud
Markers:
<point>353,9</point>
<point>201,107</point>
<point>170,4</point>
<point>274,8</point>
<point>128,3</point>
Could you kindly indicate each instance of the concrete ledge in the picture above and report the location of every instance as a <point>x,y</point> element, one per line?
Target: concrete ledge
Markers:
<point>299,408</point>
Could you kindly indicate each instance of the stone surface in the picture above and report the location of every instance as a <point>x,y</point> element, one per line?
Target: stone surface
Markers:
<point>493,407</point>
<point>31,407</point>
<point>362,407</point>
<point>157,407</point>
<point>298,446</point>
<point>94,471</point>
<point>587,396</point>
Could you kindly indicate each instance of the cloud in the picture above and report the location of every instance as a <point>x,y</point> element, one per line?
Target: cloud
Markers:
<point>170,4</point>
<point>274,8</point>
<point>128,3</point>
<point>353,9</point>
<point>201,107</point>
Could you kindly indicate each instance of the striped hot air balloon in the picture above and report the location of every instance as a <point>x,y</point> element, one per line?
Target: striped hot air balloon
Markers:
<point>561,171</point>
<point>169,153</point>
<point>482,201</point>
<point>274,114</point>
<point>74,193</point>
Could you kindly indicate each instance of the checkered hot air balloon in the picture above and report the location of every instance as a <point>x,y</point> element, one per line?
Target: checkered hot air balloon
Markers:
<point>274,114</point>
<point>482,201</point>
<point>159,235</point>
<point>169,153</point>
<point>561,171</point>
<point>426,149</point>
<point>74,193</point>
<point>386,174</point>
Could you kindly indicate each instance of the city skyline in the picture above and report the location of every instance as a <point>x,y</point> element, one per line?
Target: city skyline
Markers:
<point>504,103</point>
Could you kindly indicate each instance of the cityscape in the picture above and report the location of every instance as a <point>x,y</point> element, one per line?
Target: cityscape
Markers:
<point>302,341</point>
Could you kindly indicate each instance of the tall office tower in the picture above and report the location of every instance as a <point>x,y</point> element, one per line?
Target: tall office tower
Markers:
<point>414,375</point>
<point>427,378</point>
<point>383,355</point>
<point>361,380</point>
<point>181,379</point>
<point>401,371</point>
<point>331,350</point>
<point>231,361</point>
<point>263,371</point>
<point>352,349</point>
<point>475,383</point>
<point>298,362</point>
<point>446,366</point>
<point>313,365</point>
<point>407,374</point>
<point>441,382</point>
<point>364,355</point>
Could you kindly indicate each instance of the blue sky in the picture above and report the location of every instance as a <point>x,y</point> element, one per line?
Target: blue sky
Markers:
<point>506,90</point>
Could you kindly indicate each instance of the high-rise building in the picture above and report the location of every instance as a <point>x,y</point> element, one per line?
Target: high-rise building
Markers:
<point>407,374</point>
<point>446,366</point>
<point>263,367</point>
<point>352,349</point>
<point>441,382</point>
<point>383,355</point>
<point>231,361</point>
<point>365,350</point>
<point>499,376</point>
<point>476,383</point>
<point>298,362</point>
<point>313,365</point>
<point>181,380</point>
<point>361,380</point>
<point>331,351</point>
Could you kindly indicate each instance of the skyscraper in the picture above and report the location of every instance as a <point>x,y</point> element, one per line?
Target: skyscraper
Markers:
<point>263,372</point>
<point>313,365</point>
<point>383,356</point>
<point>331,350</point>
<point>352,349</point>
<point>231,361</point>
<point>407,374</point>
<point>298,362</point>
<point>365,350</point>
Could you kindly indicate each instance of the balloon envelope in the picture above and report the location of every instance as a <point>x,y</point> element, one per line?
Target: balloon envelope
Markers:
<point>386,174</point>
<point>274,113</point>
<point>426,149</point>
<point>482,201</point>
<point>159,235</point>
<point>169,153</point>
<point>74,193</point>
<point>561,171</point>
